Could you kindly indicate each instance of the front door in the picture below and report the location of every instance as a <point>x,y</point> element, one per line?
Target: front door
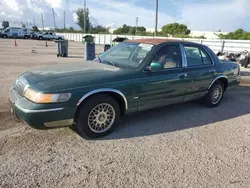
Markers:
<point>166,85</point>
<point>200,71</point>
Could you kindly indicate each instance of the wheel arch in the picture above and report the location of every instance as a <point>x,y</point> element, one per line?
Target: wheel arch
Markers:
<point>221,78</point>
<point>116,94</point>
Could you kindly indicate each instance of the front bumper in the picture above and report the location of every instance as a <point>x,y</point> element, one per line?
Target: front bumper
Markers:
<point>41,116</point>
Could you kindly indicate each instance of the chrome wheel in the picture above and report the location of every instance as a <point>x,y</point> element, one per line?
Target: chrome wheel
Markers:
<point>217,94</point>
<point>101,118</point>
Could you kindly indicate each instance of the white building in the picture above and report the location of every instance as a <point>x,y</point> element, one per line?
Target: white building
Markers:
<point>207,34</point>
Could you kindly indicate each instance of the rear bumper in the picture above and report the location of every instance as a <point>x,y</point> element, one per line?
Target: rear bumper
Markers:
<point>41,116</point>
<point>234,84</point>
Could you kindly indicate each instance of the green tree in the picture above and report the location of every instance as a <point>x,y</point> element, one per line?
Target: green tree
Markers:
<point>122,30</point>
<point>239,34</point>
<point>99,29</point>
<point>35,29</point>
<point>125,29</point>
<point>80,19</point>
<point>174,29</point>
<point>23,25</point>
<point>5,24</point>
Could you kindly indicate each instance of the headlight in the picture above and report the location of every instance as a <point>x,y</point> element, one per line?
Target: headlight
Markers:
<point>46,98</point>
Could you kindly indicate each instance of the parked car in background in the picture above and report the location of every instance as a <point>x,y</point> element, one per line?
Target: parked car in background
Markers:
<point>16,32</point>
<point>132,76</point>
<point>49,36</point>
<point>35,34</point>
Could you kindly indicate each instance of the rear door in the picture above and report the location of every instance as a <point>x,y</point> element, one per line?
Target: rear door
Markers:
<point>200,71</point>
<point>46,35</point>
<point>51,36</point>
<point>166,86</point>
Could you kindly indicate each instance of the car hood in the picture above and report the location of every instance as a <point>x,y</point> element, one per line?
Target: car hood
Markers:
<point>72,75</point>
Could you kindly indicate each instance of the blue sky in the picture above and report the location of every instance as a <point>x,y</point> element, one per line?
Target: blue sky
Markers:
<point>210,15</point>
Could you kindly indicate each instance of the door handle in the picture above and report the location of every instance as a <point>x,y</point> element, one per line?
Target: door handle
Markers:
<point>212,71</point>
<point>182,75</point>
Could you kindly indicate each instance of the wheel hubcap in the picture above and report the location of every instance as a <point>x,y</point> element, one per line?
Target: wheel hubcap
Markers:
<point>217,94</point>
<point>101,118</point>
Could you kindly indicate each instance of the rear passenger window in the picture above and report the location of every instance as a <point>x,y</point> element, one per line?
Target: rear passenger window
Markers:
<point>196,56</point>
<point>205,57</point>
<point>169,56</point>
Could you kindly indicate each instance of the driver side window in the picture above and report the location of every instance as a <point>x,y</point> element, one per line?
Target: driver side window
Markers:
<point>169,56</point>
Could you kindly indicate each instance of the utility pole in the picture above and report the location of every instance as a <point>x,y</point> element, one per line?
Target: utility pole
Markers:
<point>34,21</point>
<point>85,17</point>
<point>136,24</point>
<point>156,17</point>
<point>42,21</point>
<point>54,18</point>
<point>64,20</point>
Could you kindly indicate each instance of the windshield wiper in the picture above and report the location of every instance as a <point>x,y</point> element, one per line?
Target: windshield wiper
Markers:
<point>99,59</point>
<point>110,63</point>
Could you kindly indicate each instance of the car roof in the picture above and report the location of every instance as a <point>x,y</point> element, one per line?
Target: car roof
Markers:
<point>154,41</point>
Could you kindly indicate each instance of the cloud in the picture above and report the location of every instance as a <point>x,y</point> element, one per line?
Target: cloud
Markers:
<point>113,11</point>
<point>29,11</point>
<point>212,15</point>
<point>227,15</point>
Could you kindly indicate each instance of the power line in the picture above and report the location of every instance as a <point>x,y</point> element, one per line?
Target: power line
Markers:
<point>156,16</point>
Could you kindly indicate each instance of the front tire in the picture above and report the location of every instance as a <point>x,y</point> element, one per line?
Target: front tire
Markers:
<point>215,94</point>
<point>98,116</point>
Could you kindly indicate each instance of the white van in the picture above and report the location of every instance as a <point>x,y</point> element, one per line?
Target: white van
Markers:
<point>16,32</point>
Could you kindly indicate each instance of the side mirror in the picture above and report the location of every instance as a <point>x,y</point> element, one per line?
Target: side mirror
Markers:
<point>155,66</point>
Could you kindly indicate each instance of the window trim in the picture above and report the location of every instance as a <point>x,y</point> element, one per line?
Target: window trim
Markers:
<point>168,69</point>
<point>199,47</point>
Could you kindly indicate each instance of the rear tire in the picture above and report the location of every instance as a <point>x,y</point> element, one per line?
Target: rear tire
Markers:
<point>215,94</point>
<point>98,116</point>
<point>40,38</point>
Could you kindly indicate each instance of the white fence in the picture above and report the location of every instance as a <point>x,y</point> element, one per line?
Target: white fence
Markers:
<point>215,45</point>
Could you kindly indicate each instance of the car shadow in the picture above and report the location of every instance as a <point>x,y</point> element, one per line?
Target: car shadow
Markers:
<point>182,116</point>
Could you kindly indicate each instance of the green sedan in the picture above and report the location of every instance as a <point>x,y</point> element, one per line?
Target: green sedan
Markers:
<point>132,76</point>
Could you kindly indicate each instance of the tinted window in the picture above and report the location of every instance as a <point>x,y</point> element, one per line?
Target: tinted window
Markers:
<point>196,56</point>
<point>169,56</point>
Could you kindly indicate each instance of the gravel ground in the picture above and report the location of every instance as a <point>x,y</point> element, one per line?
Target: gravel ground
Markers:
<point>185,145</point>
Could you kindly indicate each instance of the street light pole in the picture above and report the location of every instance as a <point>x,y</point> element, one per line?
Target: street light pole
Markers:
<point>85,17</point>
<point>156,17</point>
<point>136,25</point>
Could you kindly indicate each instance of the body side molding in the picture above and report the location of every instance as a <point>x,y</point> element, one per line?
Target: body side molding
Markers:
<point>214,80</point>
<point>104,90</point>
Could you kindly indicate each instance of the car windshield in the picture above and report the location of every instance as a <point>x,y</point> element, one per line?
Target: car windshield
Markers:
<point>126,54</point>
